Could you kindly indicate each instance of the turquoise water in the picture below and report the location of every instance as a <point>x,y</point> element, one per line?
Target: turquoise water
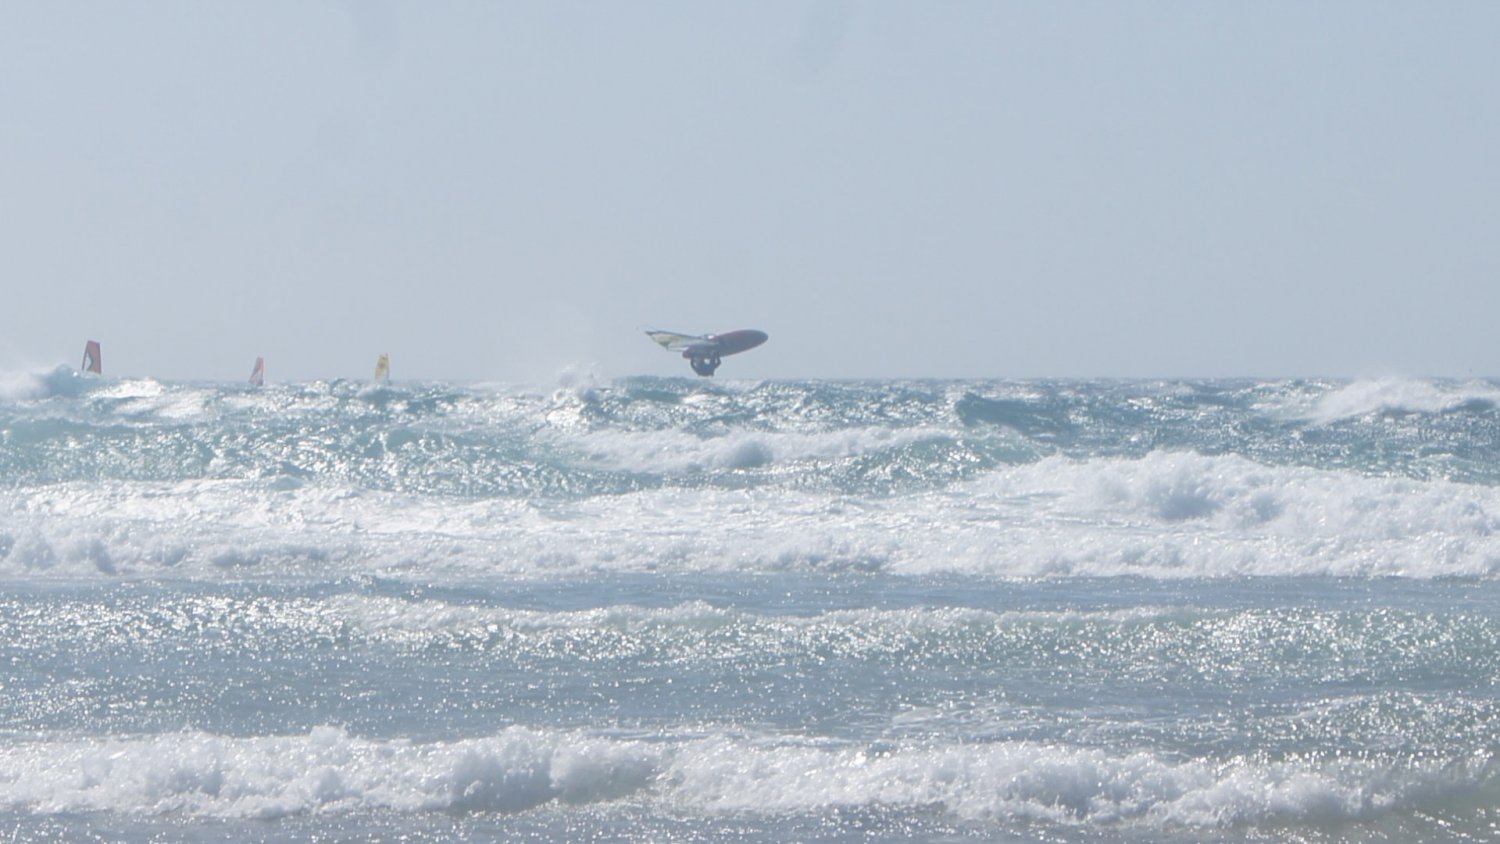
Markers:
<point>662,609</point>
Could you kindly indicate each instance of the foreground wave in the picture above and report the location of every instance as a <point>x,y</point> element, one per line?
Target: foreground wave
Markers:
<point>518,769</point>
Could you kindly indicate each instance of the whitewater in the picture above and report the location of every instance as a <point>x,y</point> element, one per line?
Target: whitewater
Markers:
<point>663,609</point>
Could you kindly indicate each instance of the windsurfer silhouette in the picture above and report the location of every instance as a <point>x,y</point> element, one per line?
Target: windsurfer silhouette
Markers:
<point>704,365</point>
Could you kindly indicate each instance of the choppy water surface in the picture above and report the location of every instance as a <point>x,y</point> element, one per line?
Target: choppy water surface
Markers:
<point>661,609</point>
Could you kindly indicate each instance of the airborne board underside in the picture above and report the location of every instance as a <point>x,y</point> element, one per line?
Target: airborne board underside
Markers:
<point>728,343</point>
<point>704,350</point>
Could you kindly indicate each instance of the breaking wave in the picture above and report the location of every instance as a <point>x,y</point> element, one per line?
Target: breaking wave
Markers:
<point>330,771</point>
<point>1162,515</point>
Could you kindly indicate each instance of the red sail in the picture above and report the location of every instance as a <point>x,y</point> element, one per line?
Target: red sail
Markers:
<point>91,361</point>
<point>258,374</point>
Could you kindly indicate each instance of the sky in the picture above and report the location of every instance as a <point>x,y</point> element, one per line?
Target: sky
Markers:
<point>512,191</point>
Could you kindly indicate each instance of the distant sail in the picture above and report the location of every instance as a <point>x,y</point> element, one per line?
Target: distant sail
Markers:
<point>91,359</point>
<point>258,374</point>
<point>383,369</point>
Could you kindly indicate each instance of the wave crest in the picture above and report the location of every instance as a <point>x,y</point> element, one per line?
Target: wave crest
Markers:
<point>329,771</point>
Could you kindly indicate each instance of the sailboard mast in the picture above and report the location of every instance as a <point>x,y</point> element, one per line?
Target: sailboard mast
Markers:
<point>258,374</point>
<point>91,357</point>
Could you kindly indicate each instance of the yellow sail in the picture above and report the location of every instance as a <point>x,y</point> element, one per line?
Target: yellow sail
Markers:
<point>383,369</point>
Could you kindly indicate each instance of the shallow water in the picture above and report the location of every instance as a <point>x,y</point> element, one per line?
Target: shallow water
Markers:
<point>660,609</point>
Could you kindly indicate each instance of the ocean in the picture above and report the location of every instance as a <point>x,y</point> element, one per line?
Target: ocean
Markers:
<point>662,609</point>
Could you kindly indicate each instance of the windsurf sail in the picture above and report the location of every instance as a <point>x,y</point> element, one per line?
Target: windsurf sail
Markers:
<point>383,369</point>
<point>703,351</point>
<point>674,342</point>
<point>258,374</point>
<point>91,358</point>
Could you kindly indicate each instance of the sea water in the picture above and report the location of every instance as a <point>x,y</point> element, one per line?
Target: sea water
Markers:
<point>690,610</point>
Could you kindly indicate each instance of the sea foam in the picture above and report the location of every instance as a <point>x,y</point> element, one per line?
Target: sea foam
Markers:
<point>330,771</point>
<point>1168,514</point>
<point>1400,395</point>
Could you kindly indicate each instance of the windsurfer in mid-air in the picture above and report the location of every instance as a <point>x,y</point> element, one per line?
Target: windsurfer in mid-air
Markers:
<point>703,352</point>
<point>704,365</point>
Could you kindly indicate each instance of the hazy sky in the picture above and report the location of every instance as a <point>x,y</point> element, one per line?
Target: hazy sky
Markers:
<point>495,191</point>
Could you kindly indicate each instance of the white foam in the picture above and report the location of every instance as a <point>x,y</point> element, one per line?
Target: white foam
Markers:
<point>325,771</point>
<point>1409,395</point>
<point>329,771</point>
<point>61,380</point>
<point>1007,781</point>
<point>580,381</point>
<point>1189,514</point>
<point>128,398</point>
<point>23,386</point>
<point>130,388</point>
<point>1167,514</point>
